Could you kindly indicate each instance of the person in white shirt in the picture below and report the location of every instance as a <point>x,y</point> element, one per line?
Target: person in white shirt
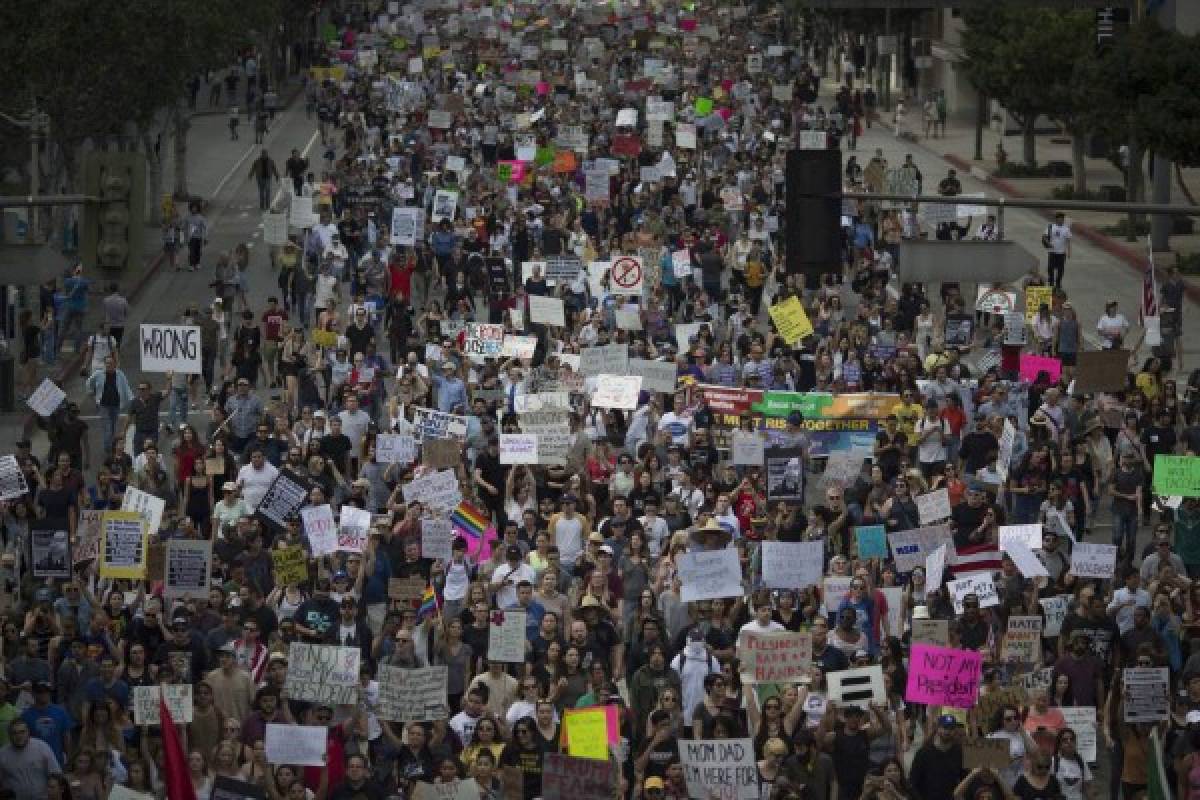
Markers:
<point>255,478</point>
<point>762,622</point>
<point>1112,327</point>
<point>1125,599</point>
<point>656,528</point>
<point>508,575</point>
<point>1058,243</point>
<point>355,423</point>
<point>932,433</point>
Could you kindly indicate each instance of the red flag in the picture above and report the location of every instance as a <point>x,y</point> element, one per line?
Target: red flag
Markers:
<point>176,776</point>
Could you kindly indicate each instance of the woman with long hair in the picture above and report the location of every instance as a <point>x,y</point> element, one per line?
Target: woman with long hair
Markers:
<point>200,775</point>
<point>196,494</point>
<point>573,682</point>
<point>488,736</point>
<point>87,776</point>
<point>483,772</point>
<point>456,655</point>
<point>101,730</point>
<point>1072,771</point>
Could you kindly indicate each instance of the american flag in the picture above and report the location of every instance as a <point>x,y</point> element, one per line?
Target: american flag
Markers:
<point>1149,289</point>
<point>975,558</point>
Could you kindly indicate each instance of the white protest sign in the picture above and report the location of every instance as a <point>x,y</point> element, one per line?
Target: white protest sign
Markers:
<point>681,263</point>
<point>395,448</point>
<point>911,548</point>
<point>1008,439</point>
<point>1022,640</point>
<point>170,348</point>
<point>429,423</point>
<point>627,118</point>
<point>979,584</point>
<point>627,320</point>
<point>843,467</point>
<point>547,311</point>
<point>657,376</point>
<point>1082,720</point>
<point>1025,560</point>
<point>406,225</point>
<point>747,448</point>
<point>1029,536</point>
<point>320,529</point>
<point>707,575</point>
<point>617,391</point>
<point>857,687</point>
<point>1146,693</point>
<point>720,768</point>
<point>46,399</point>
<point>483,339</point>
<point>323,674</point>
<point>1055,611</point>
<point>188,568</point>
<point>12,480</point>
<point>792,565</point>
<point>275,228</point>
<point>437,539</point>
<point>445,204</point>
<point>518,448</point>
<point>179,703</point>
<point>1014,328</point>
<point>150,508</point>
<point>440,119</point>
<point>438,490</point>
<point>412,695</point>
<point>935,569</point>
<point>298,745</point>
<point>354,529</point>
<point>685,136</point>
<point>610,359</point>
<point>933,506</point>
<point>506,637</point>
<point>1090,560</point>
<point>518,346</point>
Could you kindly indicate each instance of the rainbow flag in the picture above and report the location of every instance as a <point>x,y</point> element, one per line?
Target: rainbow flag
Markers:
<point>476,527</point>
<point>429,604</point>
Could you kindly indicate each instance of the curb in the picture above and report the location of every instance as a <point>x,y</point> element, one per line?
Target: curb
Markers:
<point>1135,260</point>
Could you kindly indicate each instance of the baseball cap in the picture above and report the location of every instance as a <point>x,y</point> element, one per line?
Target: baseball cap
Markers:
<point>596,536</point>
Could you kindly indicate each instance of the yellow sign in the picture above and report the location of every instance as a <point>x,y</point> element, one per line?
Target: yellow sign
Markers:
<point>291,565</point>
<point>325,338</point>
<point>587,733</point>
<point>123,545</point>
<point>1035,296</point>
<point>322,74</point>
<point>791,320</point>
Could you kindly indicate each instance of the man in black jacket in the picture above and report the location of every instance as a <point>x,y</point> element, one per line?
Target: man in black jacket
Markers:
<point>937,767</point>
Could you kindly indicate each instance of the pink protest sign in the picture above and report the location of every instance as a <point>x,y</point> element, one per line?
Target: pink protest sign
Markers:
<point>543,87</point>
<point>1031,365</point>
<point>688,25</point>
<point>943,676</point>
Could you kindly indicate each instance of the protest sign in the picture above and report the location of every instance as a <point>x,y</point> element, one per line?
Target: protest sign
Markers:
<point>657,376</point>
<point>87,536</point>
<point>440,453</point>
<point>437,539</point>
<point>568,778</point>
<point>51,550</point>
<point>354,528</point>
<point>518,448</point>
<point>323,674</point>
<point>1177,475</point>
<point>792,565</point>
<point>547,311</point>
<point>226,788</point>
<point>1022,640</point>
<point>188,568</point>
<point>707,575</point>
<point>1035,298</point>
<point>979,584</point>
<point>406,225</point>
<point>171,348</point>
<point>291,565</point>
<point>438,490</point>
<point>46,399</point>
<point>149,507</point>
<point>412,694</point>
<point>775,657</point>
<point>1082,720</point>
<point>560,268</point>
<point>617,391</point>
<point>1055,611</point>
<point>407,592</point>
<point>12,480</point>
<point>935,568</point>
<point>483,340</point>
<point>119,792</point>
<point>124,553</point>
<point>1014,329</point>
<point>1146,693</point>
<point>320,529</point>
<point>275,228</point>
<point>785,474</point>
<point>911,548</point>
<point>518,347</point>
<point>857,687</point>
<point>1024,559</point>
<point>943,676</point>
<point>429,423</point>
<point>611,359</point>
<point>1090,560</point>
<point>452,790</point>
<point>627,320</point>
<point>723,768</point>
<point>933,506</point>
<point>931,631</point>
<point>283,499</point>
<point>1101,371</point>
<point>843,467</point>
<point>445,204</point>
<point>299,745</point>
<point>587,732</point>
<point>871,541</point>
<point>177,695</point>
<point>834,589</point>
<point>1029,536</point>
<point>791,320</point>
<point>747,448</point>
<point>506,637</point>
<point>395,448</point>
<point>987,753</point>
<point>1038,679</point>
<point>1032,365</point>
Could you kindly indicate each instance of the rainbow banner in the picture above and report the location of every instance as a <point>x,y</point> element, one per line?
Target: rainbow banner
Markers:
<point>476,527</point>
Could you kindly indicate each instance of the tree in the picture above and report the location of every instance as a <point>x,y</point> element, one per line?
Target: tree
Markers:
<point>1017,55</point>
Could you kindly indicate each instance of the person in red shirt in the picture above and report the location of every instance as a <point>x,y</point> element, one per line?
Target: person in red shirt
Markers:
<point>273,320</point>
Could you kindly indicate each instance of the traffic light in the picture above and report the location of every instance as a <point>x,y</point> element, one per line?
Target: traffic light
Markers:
<point>112,226</point>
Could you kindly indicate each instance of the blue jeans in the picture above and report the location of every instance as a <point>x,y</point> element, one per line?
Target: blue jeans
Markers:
<point>178,414</point>
<point>1125,526</point>
<point>109,415</point>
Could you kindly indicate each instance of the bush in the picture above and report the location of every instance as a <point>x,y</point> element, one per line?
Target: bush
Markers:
<point>1122,228</point>
<point>1067,192</point>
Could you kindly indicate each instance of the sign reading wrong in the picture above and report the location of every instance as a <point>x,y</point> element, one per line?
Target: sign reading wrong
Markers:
<point>171,348</point>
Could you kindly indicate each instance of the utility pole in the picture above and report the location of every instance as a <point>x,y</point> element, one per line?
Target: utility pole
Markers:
<point>1160,224</point>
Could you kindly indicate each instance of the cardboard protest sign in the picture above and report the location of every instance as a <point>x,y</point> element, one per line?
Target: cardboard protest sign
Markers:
<point>437,539</point>
<point>988,753</point>
<point>291,565</point>
<point>725,768</point>
<point>774,657</point>
<point>46,399</point>
<point>300,745</point>
<point>483,340</point>
<point>617,391</point>
<point>933,506</point>
<point>407,591</point>
<point>429,423</point>
<point>323,674</point>
<point>857,687</point>
<point>438,490</point>
<point>518,448</point>
<point>51,550</point>
<point>88,534</point>
<point>124,551</point>
<point>188,568</point>
<point>1177,475</point>
<point>943,676</point>
<point>657,376</point>
<point>170,348</point>
<point>506,637</point>
<point>611,359</point>
<point>440,453</point>
<point>354,528</point>
<point>568,778</point>
<point>979,584</point>
<point>547,311</point>
<point>454,790</point>
<point>320,529</point>
<point>931,631</point>
<point>747,448</point>
<point>709,575</point>
<point>179,703</point>
<point>412,695</point>
<point>395,448</point>
<point>1055,611</point>
<point>791,320</point>
<point>1022,640</point>
<point>1089,560</point>
<point>1101,371</point>
<point>1146,693</point>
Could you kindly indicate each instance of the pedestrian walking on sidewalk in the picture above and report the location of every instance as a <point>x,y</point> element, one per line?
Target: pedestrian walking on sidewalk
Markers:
<point>898,118</point>
<point>1057,241</point>
<point>234,121</point>
<point>109,389</point>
